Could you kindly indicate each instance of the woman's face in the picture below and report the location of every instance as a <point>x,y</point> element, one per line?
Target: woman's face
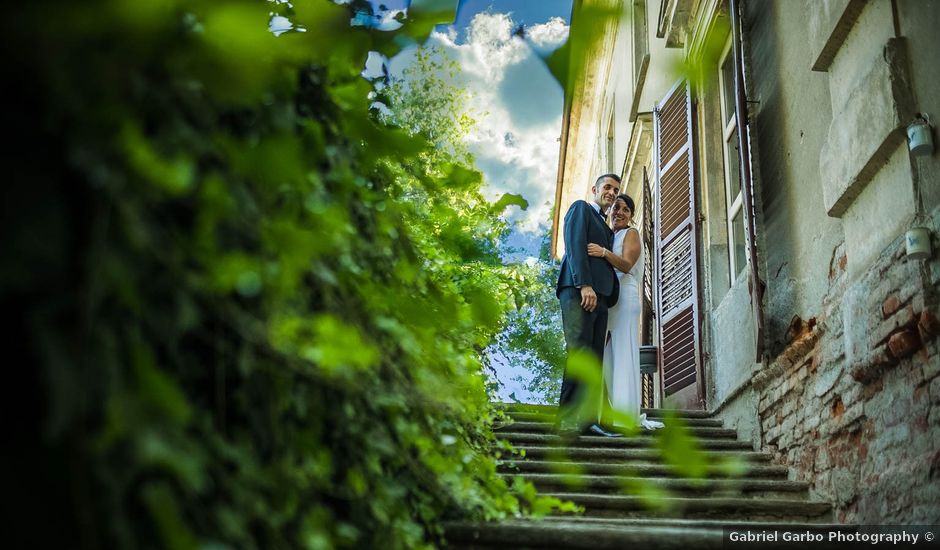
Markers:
<point>620,214</point>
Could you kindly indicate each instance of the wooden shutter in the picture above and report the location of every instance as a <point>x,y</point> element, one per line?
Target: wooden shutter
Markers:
<point>646,328</point>
<point>646,323</point>
<point>755,284</point>
<point>647,391</point>
<point>677,304</point>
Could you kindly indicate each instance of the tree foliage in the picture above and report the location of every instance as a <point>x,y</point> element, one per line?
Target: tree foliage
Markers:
<point>253,314</point>
<point>532,336</point>
<point>427,98</point>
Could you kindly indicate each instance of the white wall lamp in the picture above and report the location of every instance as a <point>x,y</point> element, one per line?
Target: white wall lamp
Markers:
<point>920,142</point>
<point>917,243</point>
<point>919,139</point>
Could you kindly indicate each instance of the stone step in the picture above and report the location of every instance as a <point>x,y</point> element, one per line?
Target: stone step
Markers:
<point>703,432</point>
<point>620,455</point>
<point>752,471</point>
<point>523,535</point>
<point>523,416</point>
<point>552,409</point>
<point>725,442</point>
<point>815,524</point>
<point>614,484</point>
<point>608,533</point>
<point>728,508</point>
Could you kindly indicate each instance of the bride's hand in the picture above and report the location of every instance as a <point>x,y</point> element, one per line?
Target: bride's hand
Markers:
<point>596,250</point>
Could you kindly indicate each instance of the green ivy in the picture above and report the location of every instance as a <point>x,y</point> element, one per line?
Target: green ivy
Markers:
<point>256,312</point>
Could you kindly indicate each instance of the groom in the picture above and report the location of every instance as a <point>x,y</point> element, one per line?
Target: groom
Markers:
<point>586,287</point>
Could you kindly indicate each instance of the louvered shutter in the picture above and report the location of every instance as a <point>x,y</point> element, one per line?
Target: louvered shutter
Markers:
<point>646,328</point>
<point>677,304</point>
<point>646,323</point>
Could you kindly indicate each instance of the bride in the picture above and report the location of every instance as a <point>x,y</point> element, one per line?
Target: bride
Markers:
<point>622,353</point>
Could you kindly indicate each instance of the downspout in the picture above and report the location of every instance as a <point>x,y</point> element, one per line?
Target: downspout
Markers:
<point>755,285</point>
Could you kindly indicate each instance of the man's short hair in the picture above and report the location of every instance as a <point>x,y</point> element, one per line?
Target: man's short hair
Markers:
<point>614,177</point>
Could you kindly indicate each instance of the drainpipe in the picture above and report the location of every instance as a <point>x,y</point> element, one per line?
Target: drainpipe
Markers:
<point>755,285</point>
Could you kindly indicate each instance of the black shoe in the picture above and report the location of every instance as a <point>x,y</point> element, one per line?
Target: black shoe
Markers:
<point>596,429</point>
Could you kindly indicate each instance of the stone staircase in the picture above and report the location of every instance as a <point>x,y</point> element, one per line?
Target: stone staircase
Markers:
<point>601,474</point>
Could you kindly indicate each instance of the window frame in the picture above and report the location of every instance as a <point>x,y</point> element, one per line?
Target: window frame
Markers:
<point>734,206</point>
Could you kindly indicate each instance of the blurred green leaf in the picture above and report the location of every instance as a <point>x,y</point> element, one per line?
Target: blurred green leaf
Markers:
<point>680,448</point>
<point>509,199</point>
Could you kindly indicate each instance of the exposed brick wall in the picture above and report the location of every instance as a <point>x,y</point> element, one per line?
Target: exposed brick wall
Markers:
<point>852,404</point>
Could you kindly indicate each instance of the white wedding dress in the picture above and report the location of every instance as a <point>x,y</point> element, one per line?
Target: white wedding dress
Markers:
<point>622,352</point>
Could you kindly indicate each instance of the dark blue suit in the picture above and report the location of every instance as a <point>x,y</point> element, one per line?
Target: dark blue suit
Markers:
<point>583,329</point>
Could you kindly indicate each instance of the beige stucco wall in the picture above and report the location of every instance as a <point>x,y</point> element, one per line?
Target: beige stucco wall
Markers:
<point>608,87</point>
<point>585,127</point>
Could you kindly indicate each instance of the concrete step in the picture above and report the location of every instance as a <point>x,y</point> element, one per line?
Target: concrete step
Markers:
<point>726,441</point>
<point>552,409</point>
<point>523,416</point>
<point>643,469</point>
<point>609,533</point>
<point>622,455</point>
<point>697,522</point>
<point>614,484</point>
<point>728,508</point>
<point>697,431</point>
<point>523,535</point>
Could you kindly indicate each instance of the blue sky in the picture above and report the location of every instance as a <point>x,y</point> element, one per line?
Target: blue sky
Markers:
<point>516,144</point>
<point>517,105</point>
<point>514,98</point>
<point>526,12</point>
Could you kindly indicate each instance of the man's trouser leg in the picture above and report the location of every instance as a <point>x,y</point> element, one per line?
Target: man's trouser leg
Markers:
<point>587,331</point>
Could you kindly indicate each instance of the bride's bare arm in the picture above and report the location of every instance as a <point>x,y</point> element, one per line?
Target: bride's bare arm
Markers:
<point>627,257</point>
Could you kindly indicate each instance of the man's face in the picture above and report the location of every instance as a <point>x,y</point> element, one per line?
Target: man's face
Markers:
<point>605,193</point>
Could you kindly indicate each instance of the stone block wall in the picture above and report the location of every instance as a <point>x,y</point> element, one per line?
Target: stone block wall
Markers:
<point>852,404</point>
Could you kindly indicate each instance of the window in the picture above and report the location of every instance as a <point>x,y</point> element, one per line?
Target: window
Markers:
<point>733,198</point>
<point>641,54</point>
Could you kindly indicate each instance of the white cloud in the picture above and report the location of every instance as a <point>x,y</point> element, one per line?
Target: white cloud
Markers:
<point>548,36</point>
<point>375,66</point>
<point>517,104</point>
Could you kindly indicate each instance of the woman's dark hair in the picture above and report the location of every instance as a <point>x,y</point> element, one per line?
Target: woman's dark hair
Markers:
<point>630,204</point>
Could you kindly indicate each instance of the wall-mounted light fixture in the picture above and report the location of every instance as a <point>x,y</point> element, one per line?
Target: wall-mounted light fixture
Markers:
<point>917,243</point>
<point>919,139</point>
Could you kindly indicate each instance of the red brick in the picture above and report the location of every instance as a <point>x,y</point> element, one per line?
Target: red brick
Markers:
<point>928,325</point>
<point>904,343</point>
<point>890,305</point>
<point>867,370</point>
<point>838,407</point>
